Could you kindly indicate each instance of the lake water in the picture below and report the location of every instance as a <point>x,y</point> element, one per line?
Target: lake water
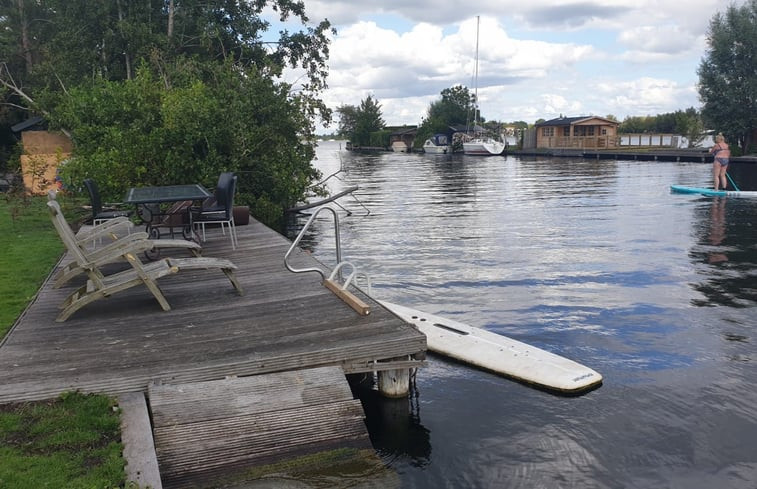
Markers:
<point>593,260</point>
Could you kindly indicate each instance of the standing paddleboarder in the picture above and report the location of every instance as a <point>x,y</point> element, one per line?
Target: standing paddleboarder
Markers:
<point>720,164</point>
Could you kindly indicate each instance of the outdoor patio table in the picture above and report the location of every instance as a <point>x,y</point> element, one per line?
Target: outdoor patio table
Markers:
<point>149,199</point>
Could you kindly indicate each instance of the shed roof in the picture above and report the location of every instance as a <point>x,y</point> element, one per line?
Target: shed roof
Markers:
<point>31,122</point>
<point>399,131</point>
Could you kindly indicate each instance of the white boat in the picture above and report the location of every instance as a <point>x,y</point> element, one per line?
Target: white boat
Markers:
<point>483,147</point>
<point>437,144</point>
<point>499,354</point>
<point>480,145</point>
<point>399,147</point>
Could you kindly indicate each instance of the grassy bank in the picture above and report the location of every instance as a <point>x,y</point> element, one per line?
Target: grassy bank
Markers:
<point>30,247</point>
<point>70,442</point>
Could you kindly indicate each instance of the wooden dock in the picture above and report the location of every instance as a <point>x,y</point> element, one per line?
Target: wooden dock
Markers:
<point>653,154</point>
<point>283,322</point>
<point>204,429</point>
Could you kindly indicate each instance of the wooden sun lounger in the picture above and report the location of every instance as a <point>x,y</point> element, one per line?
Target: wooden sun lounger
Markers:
<point>103,255</point>
<point>99,285</point>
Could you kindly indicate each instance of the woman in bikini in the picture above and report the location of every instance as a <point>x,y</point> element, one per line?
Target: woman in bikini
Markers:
<point>720,164</point>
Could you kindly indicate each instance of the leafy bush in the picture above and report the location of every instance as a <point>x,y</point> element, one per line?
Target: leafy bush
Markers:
<point>206,121</point>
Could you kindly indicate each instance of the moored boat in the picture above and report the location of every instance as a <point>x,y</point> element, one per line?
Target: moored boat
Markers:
<point>483,147</point>
<point>480,145</point>
<point>399,147</point>
<point>437,144</point>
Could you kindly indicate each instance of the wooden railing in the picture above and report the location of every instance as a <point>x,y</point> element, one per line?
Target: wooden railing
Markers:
<point>582,142</point>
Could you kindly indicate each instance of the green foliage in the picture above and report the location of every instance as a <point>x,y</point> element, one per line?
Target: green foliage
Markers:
<point>357,123</point>
<point>684,122</point>
<point>139,132</point>
<point>165,93</point>
<point>30,249</point>
<point>380,139</point>
<point>455,108</point>
<point>71,442</point>
<point>728,74</point>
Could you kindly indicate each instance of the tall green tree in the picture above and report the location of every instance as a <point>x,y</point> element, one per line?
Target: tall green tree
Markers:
<point>369,119</point>
<point>453,109</point>
<point>357,123</point>
<point>728,74</point>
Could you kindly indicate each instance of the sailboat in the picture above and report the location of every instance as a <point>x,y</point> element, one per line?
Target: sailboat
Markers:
<point>480,145</point>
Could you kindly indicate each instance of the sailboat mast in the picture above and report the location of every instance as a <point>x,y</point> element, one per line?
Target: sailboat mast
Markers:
<point>475,79</point>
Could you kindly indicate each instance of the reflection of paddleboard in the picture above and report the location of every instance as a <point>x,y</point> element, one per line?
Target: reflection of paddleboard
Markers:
<point>682,189</point>
<point>499,353</point>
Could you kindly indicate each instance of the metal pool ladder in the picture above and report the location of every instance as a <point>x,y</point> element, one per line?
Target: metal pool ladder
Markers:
<point>332,282</point>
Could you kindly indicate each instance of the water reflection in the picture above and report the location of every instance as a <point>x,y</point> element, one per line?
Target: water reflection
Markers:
<point>725,244</point>
<point>394,425</point>
<point>717,230</point>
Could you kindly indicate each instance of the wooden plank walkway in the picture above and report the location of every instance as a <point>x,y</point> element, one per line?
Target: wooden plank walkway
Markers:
<point>204,429</point>
<point>284,321</point>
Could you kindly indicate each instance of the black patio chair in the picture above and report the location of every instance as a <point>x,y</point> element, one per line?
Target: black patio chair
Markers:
<point>100,214</point>
<point>219,209</point>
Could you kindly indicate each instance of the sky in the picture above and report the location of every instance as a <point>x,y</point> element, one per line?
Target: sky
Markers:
<point>536,59</point>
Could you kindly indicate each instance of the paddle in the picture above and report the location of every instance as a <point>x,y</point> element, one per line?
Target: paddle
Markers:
<point>732,182</point>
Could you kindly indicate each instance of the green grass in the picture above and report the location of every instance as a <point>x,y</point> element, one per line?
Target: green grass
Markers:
<point>29,247</point>
<point>71,442</point>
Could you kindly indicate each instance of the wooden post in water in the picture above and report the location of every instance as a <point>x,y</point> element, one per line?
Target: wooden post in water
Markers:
<point>394,383</point>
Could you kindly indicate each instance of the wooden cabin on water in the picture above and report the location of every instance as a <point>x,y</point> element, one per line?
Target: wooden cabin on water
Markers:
<point>581,132</point>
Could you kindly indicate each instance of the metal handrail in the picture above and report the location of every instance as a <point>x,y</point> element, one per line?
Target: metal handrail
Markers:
<point>302,233</point>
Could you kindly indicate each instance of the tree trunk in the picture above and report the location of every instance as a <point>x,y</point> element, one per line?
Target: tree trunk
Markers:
<point>170,18</point>
<point>25,47</point>
<point>127,60</point>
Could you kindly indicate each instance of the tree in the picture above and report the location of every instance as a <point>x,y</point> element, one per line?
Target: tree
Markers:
<point>454,107</point>
<point>347,120</point>
<point>728,74</point>
<point>451,110</point>
<point>124,75</point>
<point>357,123</point>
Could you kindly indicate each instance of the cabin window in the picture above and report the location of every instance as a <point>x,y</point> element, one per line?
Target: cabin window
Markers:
<point>548,131</point>
<point>590,131</point>
<point>604,131</point>
<point>566,131</point>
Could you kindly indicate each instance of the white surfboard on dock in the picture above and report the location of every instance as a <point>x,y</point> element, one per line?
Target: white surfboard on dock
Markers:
<point>498,353</point>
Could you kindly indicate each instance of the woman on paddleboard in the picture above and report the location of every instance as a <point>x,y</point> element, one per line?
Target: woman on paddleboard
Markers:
<point>720,164</point>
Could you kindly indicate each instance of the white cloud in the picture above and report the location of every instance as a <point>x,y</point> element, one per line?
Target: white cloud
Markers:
<point>658,39</point>
<point>574,57</point>
<point>646,96</point>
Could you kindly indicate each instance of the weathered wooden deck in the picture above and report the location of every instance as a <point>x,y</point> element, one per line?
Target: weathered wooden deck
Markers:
<point>283,322</point>
<point>203,430</point>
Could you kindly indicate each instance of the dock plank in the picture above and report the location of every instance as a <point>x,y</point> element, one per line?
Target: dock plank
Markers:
<point>205,428</point>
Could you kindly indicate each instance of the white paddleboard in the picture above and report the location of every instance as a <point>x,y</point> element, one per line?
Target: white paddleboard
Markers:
<point>498,353</point>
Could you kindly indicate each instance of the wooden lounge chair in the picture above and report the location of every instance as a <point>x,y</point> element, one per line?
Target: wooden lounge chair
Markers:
<point>99,285</point>
<point>108,229</point>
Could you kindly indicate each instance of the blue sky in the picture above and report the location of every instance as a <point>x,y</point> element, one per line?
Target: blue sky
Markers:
<point>536,60</point>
